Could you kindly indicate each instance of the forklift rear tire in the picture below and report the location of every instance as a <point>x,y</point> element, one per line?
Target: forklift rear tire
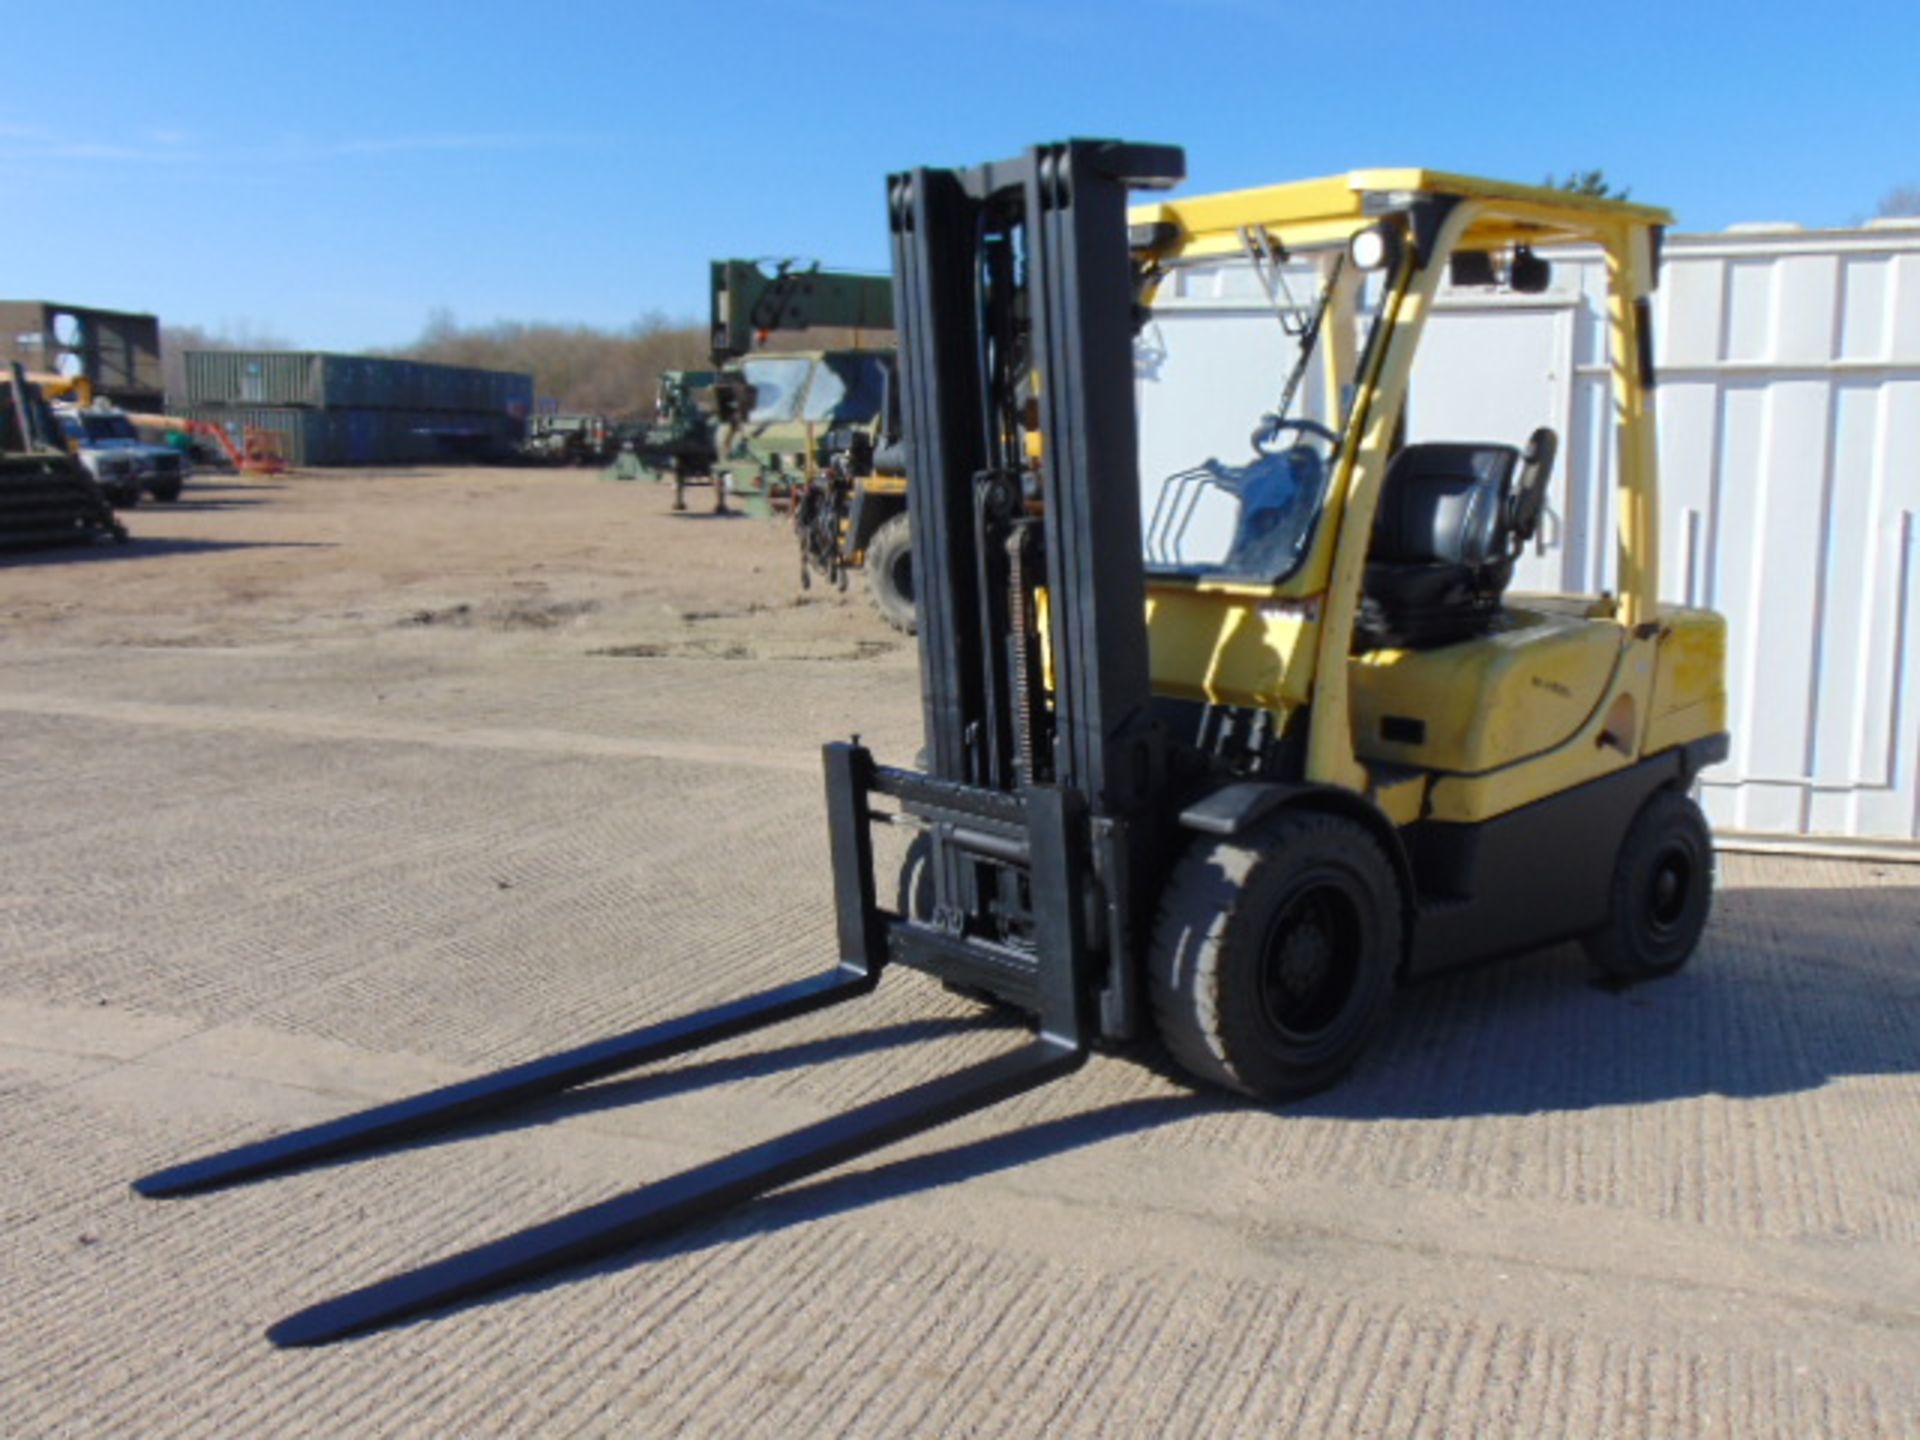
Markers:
<point>1661,894</point>
<point>1275,953</point>
<point>889,566</point>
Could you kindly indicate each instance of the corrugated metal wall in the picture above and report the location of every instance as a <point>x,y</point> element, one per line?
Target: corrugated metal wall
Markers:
<point>1789,406</point>
<point>367,437</point>
<point>326,381</point>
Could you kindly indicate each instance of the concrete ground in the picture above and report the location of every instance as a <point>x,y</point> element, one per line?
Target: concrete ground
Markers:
<point>340,785</point>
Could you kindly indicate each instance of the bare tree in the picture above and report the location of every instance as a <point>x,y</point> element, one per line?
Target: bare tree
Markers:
<point>580,367</point>
<point>1903,201</point>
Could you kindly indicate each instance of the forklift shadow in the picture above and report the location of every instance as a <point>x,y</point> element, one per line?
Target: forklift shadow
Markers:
<point>1791,988</point>
<point>841,1192</point>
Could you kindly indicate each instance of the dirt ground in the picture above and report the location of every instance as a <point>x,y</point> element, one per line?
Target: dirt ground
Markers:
<point>338,785</point>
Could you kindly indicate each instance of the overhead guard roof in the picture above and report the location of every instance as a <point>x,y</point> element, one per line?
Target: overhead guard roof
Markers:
<point>1308,211</point>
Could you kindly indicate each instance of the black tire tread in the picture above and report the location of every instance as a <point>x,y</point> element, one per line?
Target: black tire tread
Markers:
<point>1606,948</point>
<point>895,608</point>
<point>1200,901</point>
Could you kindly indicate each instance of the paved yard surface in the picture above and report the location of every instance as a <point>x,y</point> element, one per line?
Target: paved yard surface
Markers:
<point>344,784</point>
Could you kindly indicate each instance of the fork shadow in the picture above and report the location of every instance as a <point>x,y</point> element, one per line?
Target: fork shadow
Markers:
<point>659,1084</point>
<point>1772,1006</point>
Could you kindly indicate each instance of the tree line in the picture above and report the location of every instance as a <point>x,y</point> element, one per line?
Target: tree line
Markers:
<point>581,368</point>
<point>611,372</point>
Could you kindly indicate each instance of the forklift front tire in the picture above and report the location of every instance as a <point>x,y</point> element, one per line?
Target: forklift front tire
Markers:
<point>1275,953</point>
<point>1661,893</point>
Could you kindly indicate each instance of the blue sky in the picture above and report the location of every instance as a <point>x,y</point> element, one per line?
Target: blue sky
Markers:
<point>333,172</point>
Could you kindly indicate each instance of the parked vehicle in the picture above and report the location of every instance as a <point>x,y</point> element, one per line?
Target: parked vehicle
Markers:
<point>122,463</point>
<point>568,440</point>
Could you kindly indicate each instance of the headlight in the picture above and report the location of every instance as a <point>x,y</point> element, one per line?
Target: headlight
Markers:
<point>1375,248</point>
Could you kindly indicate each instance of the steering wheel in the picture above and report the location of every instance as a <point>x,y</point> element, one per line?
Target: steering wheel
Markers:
<point>1268,431</point>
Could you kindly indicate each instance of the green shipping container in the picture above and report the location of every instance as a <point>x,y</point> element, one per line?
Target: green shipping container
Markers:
<point>371,437</point>
<point>315,380</point>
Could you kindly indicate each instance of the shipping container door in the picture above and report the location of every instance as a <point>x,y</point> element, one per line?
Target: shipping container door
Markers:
<point>362,436</point>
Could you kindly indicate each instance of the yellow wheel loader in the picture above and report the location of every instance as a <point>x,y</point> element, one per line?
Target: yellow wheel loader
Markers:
<point>1226,768</point>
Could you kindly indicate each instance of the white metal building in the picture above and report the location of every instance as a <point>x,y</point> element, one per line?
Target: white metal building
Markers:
<point>1789,406</point>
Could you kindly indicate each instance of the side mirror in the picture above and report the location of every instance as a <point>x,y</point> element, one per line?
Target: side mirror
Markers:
<point>1529,274</point>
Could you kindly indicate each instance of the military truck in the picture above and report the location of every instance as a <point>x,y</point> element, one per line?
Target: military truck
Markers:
<point>567,440</point>
<point>777,410</point>
<point>678,443</point>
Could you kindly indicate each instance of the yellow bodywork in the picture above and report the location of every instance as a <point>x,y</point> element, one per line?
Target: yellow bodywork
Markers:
<point>1562,690</point>
<point>1231,645</point>
<point>1468,708</point>
<point>1310,212</point>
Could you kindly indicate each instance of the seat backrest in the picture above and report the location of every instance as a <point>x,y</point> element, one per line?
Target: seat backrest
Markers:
<point>1443,504</point>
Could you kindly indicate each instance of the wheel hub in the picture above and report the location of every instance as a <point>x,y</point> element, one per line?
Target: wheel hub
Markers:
<point>1305,959</point>
<point>1672,878</point>
<point>1310,968</point>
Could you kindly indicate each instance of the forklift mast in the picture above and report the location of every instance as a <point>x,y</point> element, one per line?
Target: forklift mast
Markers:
<point>1015,288</point>
<point>1015,291</point>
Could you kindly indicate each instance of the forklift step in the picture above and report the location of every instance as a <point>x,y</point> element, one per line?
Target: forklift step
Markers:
<point>666,1205</point>
<point>436,1110</point>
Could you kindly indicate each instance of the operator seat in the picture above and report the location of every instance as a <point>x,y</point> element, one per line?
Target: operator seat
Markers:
<point>1451,520</point>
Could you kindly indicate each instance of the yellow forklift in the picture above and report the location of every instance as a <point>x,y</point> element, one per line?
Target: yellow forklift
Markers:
<point>1228,771</point>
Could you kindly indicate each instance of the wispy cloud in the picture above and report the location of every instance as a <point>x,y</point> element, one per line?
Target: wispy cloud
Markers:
<point>93,150</point>
<point>21,142</point>
<point>415,144</point>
